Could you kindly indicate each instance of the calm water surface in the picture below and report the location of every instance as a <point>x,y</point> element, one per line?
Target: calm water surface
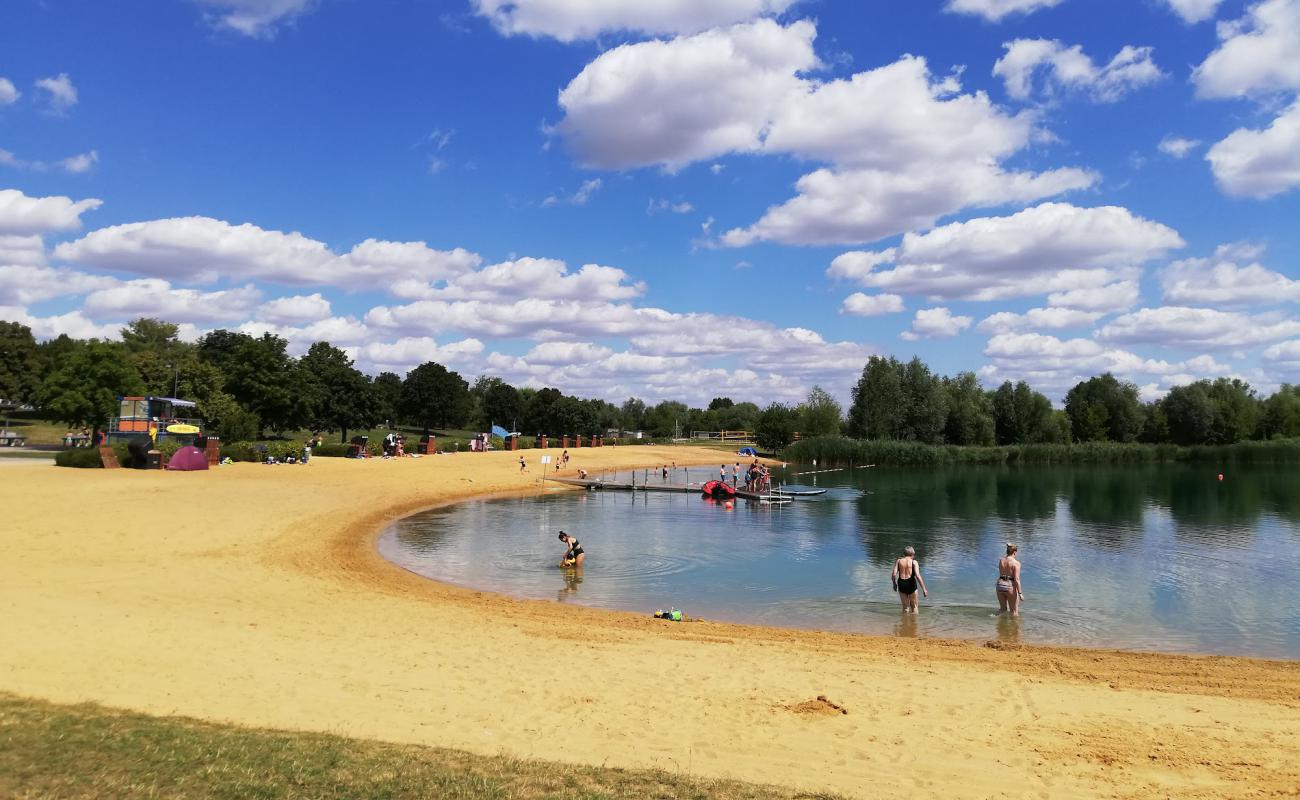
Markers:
<point>1154,557</point>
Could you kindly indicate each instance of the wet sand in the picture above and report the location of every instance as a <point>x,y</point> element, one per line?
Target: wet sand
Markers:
<point>254,595</point>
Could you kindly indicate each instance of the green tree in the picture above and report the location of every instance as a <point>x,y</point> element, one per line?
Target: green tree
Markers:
<point>775,427</point>
<point>538,411</point>
<point>1104,409</point>
<point>344,398</point>
<point>573,416</point>
<point>1023,416</point>
<point>52,354</point>
<point>663,418</point>
<point>820,414</point>
<point>1189,414</point>
<point>1236,410</point>
<point>434,396</point>
<point>739,417</point>
<point>925,409</point>
<point>877,400</point>
<point>1280,413</point>
<point>719,403</point>
<point>262,377</point>
<point>501,405</point>
<point>387,387</point>
<point>970,411</point>
<point>86,388</point>
<point>19,368</point>
<point>632,415</point>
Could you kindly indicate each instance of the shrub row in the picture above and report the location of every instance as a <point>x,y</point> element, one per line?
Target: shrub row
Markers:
<point>832,450</point>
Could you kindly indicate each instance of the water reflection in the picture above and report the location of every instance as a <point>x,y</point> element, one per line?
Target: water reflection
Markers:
<point>1132,556</point>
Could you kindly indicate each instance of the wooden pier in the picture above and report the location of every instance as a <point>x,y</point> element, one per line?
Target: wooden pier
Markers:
<point>679,488</point>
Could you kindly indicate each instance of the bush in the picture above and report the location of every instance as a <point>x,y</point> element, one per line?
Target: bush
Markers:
<point>79,458</point>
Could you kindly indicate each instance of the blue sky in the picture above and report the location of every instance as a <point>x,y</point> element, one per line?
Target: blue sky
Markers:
<point>767,191</point>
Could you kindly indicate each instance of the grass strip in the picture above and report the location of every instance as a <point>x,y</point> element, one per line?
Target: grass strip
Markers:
<point>86,751</point>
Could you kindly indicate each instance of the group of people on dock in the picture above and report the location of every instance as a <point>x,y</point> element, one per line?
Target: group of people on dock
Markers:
<point>906,579</point>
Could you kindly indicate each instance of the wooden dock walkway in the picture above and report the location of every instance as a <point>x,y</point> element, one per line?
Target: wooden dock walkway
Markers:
<point>680,488</point>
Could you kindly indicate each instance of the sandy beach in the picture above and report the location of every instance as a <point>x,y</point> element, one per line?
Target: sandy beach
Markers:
<point>253,594</point>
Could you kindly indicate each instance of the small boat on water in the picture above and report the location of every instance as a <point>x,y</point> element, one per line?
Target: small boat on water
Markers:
<point>718,490</point>
<point>799,492</point>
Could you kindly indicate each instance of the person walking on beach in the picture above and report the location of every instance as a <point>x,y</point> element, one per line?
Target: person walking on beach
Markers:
<point>574,555</point>
<point>1010,595</point>
<point>522,465</point>
<point>906,577</point>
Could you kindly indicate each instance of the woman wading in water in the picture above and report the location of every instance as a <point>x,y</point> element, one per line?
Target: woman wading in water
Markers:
<point>1008,585</point>
<point>906,577</point>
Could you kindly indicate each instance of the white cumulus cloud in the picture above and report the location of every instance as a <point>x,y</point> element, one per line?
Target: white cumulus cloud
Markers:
<point>1053,247</point>
<point>537,278</point>
<point>80,163</point>
<point>1036,319</point>
<point>202,249</point>
<point>569,20</point>
<point>1223,280</point>
<point>995,10</point>
<point>936,323</point>
<point>9,93</point>
<point>691,98</point>
<point>1194,10</point>
<point>1178,146</point>
<point>1256,54</point>
<point>295,310</point>
<point>871,305</point>
<point>23,215</point>
<point>153,297</point>
<point>60,94</point>
<point>25,284</point>
<point>1185,328</point>
<point>1259,163</point>
<point>1048,67</point>
<point>256,18</point>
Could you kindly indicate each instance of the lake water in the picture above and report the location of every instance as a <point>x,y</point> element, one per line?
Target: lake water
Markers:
<point>1164,557</point>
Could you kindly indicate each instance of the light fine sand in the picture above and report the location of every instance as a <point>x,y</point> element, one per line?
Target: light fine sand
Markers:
<point>253,594</point>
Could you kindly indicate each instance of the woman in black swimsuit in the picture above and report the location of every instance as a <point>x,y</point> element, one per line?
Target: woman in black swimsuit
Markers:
<point>573,556</point>
<point>906,577</point>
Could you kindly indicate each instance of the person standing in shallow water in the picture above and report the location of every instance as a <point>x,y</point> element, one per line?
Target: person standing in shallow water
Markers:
<point>1008,588</point>
<point>906,578</point>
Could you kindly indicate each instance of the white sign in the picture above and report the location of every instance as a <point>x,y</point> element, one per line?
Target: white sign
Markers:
<point>546,459</point>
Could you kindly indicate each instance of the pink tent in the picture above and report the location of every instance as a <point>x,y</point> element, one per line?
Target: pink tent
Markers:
<point>187,459</point>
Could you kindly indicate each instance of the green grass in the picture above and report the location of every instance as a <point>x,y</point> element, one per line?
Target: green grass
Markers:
<point>832,450</point>
<point>52,751</point>
<point>30,425</point>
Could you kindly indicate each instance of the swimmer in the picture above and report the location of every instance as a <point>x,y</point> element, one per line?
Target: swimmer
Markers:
<point>1010,595</point>
<point>906,577</point>
<point>573,556</point>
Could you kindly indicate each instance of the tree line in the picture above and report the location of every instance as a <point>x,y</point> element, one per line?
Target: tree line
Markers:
<point>248,386</point>
<point>907,401</point>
